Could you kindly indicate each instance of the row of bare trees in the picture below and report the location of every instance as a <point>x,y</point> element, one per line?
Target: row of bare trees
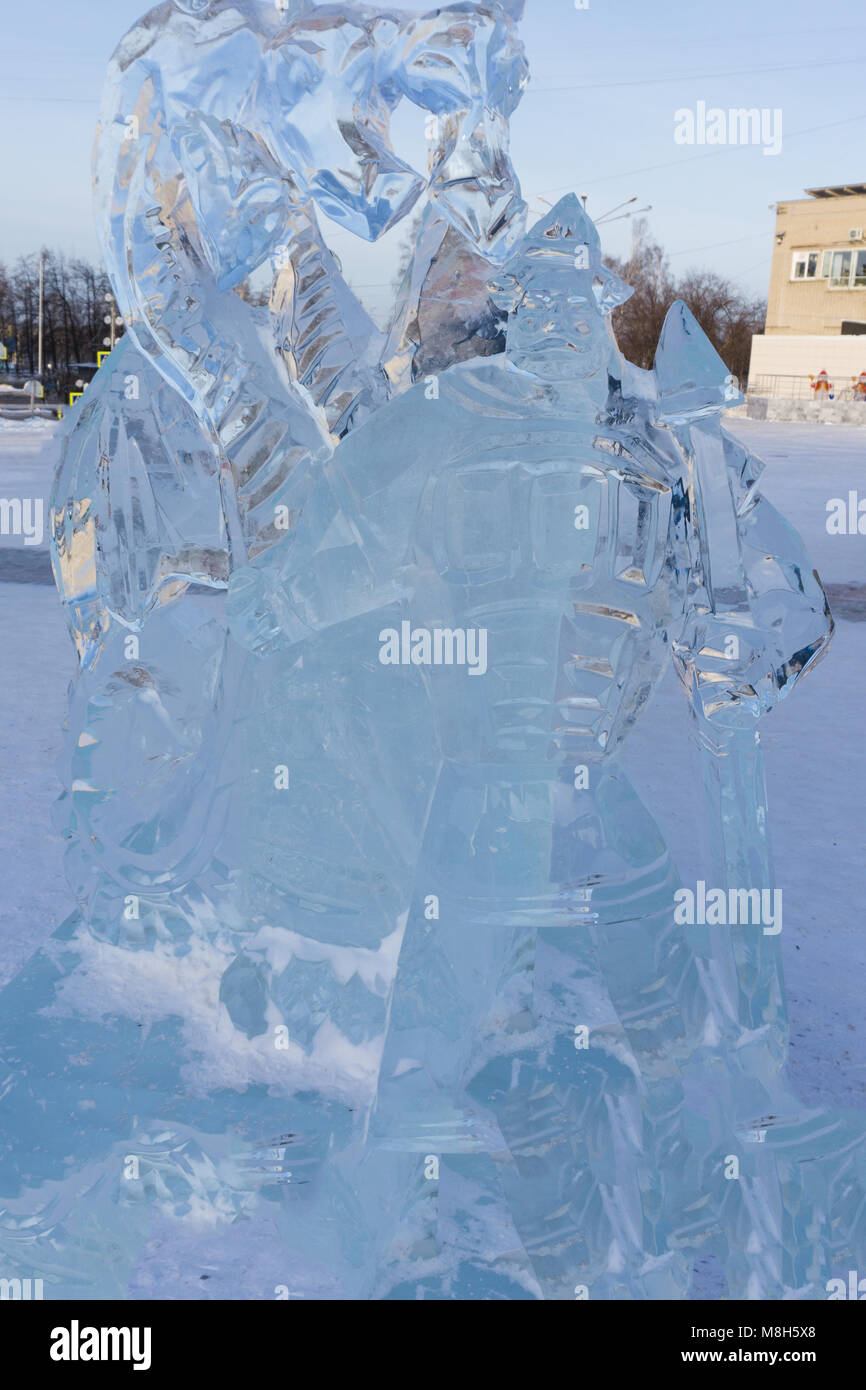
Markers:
<point>727,315</point>
<point>74,307</point>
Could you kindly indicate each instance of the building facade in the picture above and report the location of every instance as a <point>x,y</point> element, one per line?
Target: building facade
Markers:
<point>816,307</point>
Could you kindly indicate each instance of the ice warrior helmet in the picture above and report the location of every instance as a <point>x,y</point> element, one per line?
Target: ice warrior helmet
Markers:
<point>564,241</point>
<point>557,291</point>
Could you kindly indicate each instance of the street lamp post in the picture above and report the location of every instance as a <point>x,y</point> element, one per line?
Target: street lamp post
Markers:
<point>113,320</point>
<point>40,336</point>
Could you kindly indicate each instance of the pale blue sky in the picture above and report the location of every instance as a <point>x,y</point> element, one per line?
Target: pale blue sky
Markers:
<point>598,118</point>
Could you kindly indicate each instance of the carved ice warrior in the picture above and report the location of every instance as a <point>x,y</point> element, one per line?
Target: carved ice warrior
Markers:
<point>556,500</point>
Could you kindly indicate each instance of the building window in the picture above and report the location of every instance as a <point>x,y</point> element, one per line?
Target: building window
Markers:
<point>847,270</point>
<point>805,265</point>
<point>840,270</point>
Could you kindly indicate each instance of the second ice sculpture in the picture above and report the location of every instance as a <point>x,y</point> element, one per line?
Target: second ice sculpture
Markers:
<point>379,980</point>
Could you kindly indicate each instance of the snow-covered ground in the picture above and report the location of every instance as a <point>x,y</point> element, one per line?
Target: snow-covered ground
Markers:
<point>807,465</point>
<point>815,748</point>
<point>815,755</point>
<point>38,663</point>
<point>28,454</point>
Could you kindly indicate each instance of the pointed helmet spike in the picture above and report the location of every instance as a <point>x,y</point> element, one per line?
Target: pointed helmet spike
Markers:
<point>691,378</point>
<point>564,240</point>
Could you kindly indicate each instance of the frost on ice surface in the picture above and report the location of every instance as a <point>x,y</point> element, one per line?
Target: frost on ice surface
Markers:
<point>375,942</point>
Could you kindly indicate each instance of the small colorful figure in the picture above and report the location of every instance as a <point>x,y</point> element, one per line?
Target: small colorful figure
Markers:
<point>822,383</point>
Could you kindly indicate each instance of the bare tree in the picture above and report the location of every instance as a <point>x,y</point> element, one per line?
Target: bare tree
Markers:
<point>74,306</point>
<point>727,315</point>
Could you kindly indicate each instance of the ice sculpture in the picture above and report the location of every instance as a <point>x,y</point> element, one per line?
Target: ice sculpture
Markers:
<point>378,956</point>
<point>558,524</point>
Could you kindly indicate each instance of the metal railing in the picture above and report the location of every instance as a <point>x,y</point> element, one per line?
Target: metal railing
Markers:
<point>799,388</point>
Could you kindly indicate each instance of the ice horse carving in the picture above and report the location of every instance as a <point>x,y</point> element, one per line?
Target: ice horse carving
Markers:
<point>365,620</point>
